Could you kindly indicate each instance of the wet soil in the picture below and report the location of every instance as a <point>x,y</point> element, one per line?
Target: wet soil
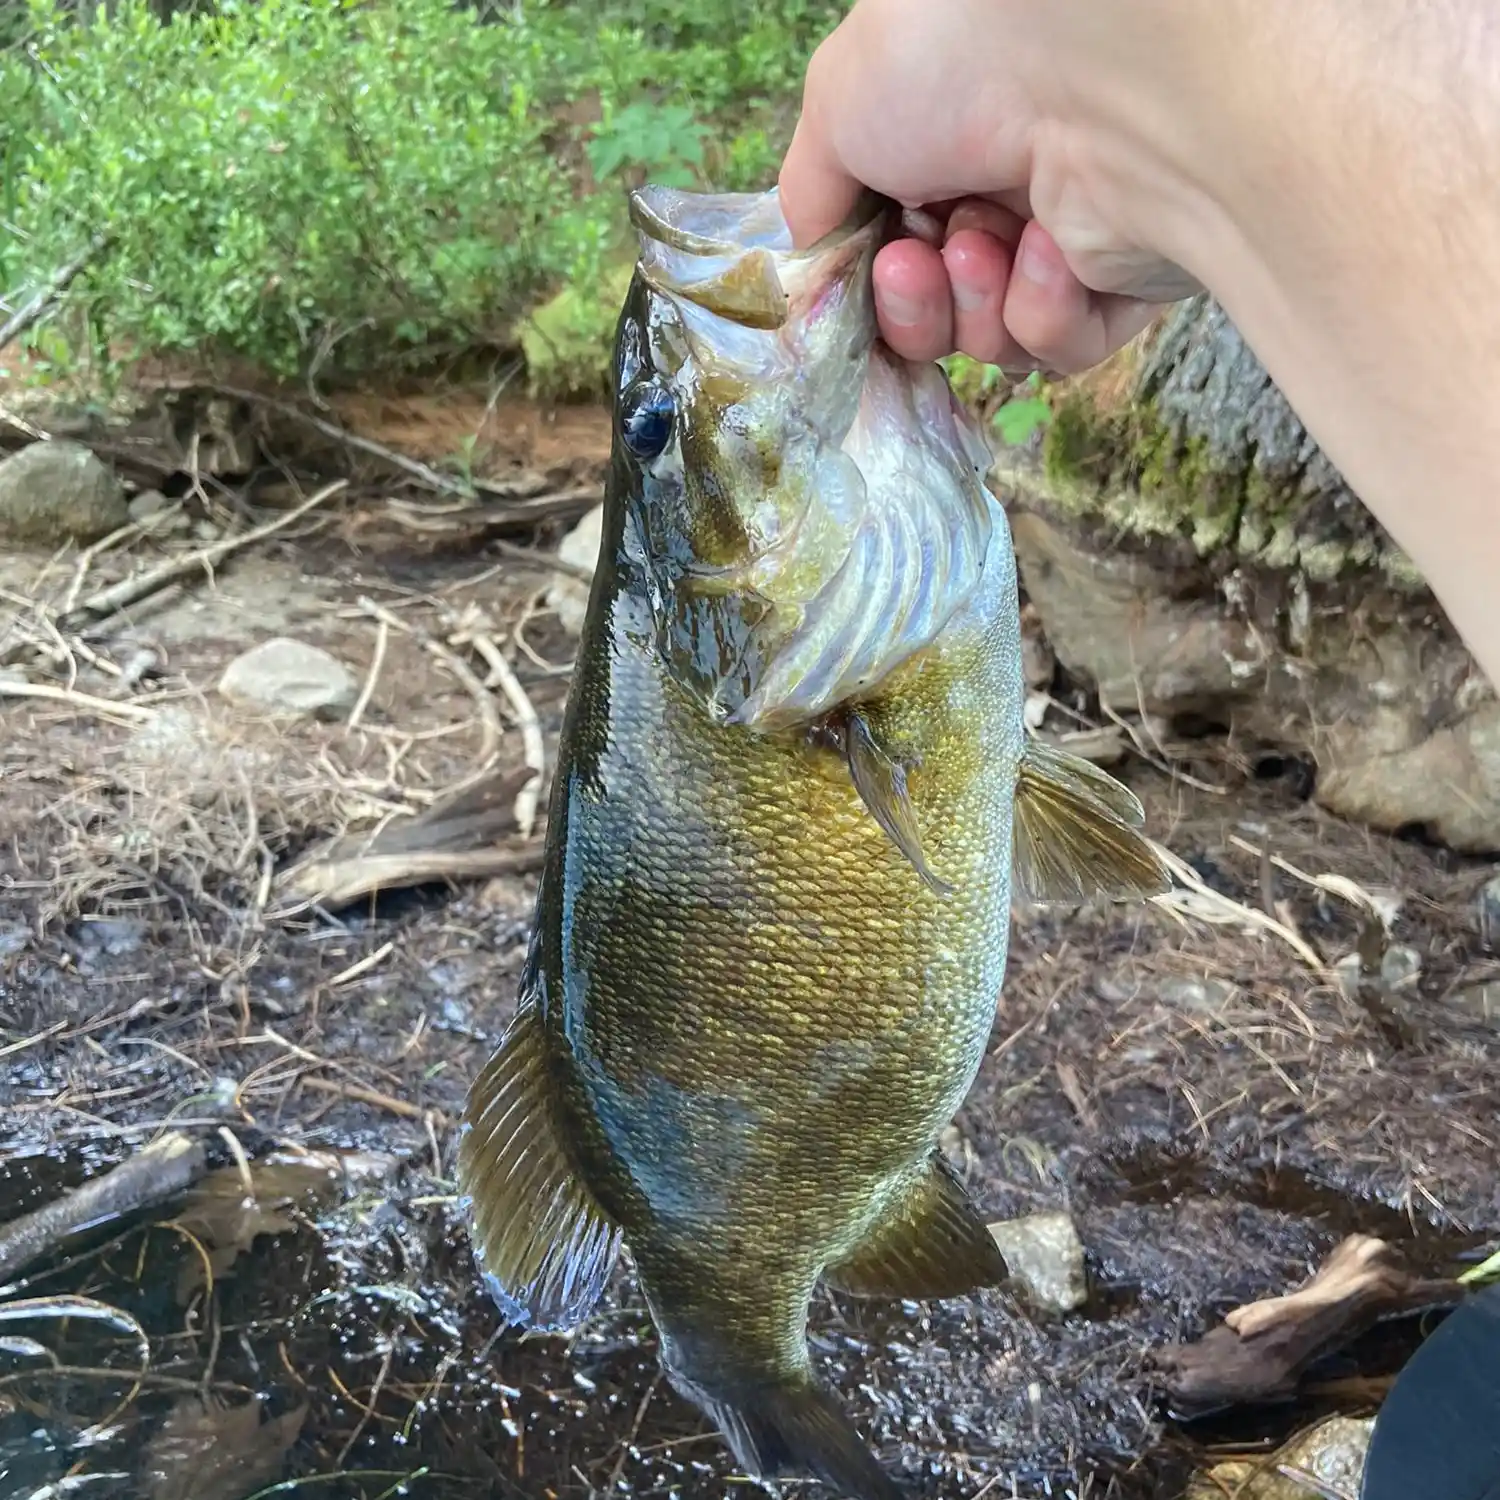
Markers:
<point>1214,1111</point>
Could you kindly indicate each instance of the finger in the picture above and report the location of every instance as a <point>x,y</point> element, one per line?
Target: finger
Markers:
<point>914,300</point>
<point>987,215</point>
<point>1050,313</point>
<point>978,267</point>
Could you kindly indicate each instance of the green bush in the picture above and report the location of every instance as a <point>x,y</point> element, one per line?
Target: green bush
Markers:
<point>347,186</point>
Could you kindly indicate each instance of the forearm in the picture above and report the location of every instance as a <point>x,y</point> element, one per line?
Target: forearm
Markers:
<point>1355,240</point>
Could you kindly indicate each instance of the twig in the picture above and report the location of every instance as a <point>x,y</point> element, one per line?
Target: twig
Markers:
<point>533,749</point>
<point>382,639</point>
<point>491,730</point>
<point>104,605</point>
<point>57,284</point>
<point>160,1170</point>
<point>335,883</point>
<point>538,559</point>
<point>86,702</point>
<point>443,483</point>
<point>362,1095</point>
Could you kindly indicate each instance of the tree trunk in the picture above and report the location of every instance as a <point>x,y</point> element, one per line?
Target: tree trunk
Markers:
<point>1193,554</point>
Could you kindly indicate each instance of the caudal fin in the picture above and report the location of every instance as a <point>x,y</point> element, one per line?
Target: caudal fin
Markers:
<point>796,1429</point>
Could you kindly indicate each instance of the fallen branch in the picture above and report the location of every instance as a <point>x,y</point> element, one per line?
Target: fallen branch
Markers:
<point>58,283</point>
<point>161,1170</point>
<point>103,606</point>
<point>1259,1352</point>
<point>433,479</point>
<point>456,839</point>
<point>362,1095</point>
<point>533,750</point>
<point>85,702</point>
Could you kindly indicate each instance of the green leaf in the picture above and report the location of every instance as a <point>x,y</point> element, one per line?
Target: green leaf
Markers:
<point>1020,419</point>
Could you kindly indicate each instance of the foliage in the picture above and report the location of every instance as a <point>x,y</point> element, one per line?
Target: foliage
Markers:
<point>340,185</point>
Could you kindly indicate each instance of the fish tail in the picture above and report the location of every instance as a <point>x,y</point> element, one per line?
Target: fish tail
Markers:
<point>795,1428</point>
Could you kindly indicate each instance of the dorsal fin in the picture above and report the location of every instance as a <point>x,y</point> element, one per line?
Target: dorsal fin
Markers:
<point>931,1244</point>
<point>880,781</point>
<point>1077,833</point>
<point>543,1244</point>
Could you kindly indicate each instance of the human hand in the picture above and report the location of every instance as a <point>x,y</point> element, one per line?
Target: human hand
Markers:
<point>984,113</point>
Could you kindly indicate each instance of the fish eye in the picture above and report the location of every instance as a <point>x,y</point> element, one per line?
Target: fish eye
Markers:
<point>646,416</point>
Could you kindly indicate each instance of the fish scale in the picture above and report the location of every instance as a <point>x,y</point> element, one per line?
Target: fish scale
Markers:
<point>767,954</point>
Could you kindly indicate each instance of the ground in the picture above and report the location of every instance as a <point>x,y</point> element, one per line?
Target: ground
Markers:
<point>1189,1079</point>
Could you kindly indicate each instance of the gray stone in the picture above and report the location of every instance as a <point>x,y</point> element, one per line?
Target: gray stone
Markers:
<point>1400,967</point>
<point>1045,1257</point>
<point>14,936</point>
<point>147,504</point>
<point>57,492</point>
<point>1203,996</point>
<point>13,676</point>
<point>283,676</point>
<point>1489,914</point>
<point>568,597</point>
<point>1481,1001</point>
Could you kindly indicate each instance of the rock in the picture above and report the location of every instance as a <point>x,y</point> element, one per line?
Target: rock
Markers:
<point>1489,914</point>
<point>1481,1001</point>
<point>147,504</point>
<point>13,677</point>
<point>1347,973</point>
<point>1045,1257</point>
<point>1333,1453</point>
<point>207,531</point>
<point>568,597</point>
<point>113,937</point>
<point>1204,996</point>
<point>57,492</point>
<point>1400,967</point>
<point>14,936</point>
<point>283,676</point>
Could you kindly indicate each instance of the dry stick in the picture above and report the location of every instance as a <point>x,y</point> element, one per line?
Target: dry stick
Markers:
<point>533,748</point>
<point>492,731</point>
<point>382,639</point>
<point>362,1095</point>
<point>103,606</point>
<point>549,560</point>
<point>56,285</point>
<point>337,882</point>
<point>162,1169</point>
<point>443,483</point>
<point>104,707</point>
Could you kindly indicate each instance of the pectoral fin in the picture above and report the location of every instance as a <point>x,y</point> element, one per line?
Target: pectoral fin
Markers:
<point>880,781</point>
<point>1077,833</point>
<point>932,1244</point>
<point>544,1246</point>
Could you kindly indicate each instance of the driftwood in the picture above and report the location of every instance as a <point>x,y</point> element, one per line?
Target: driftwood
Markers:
<point>454,839</point>
<point>1259,1352</point>
<point>162,1169</point>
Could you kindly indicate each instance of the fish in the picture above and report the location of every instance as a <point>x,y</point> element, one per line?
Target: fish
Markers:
<point>794,798</point>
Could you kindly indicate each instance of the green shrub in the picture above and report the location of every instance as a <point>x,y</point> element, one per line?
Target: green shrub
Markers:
<point>346,186</point>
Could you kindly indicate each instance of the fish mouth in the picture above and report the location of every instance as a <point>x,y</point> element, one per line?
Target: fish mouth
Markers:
<point>731,254</point>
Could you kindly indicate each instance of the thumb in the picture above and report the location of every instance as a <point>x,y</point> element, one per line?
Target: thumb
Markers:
<point>817,192</point>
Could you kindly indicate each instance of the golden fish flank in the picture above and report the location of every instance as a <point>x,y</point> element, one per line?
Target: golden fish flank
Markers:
<point>793,790</point>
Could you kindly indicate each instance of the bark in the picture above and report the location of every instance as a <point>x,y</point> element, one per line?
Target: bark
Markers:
<point>1192,553</point>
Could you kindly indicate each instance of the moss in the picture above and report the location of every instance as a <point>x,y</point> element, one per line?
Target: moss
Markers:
<point>567,340</point>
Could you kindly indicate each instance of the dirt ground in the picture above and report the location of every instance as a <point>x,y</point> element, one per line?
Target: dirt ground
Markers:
<point>1189,1079</point>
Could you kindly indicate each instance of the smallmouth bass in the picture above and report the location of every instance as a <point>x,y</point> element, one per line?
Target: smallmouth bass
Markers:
<point>793,790</point>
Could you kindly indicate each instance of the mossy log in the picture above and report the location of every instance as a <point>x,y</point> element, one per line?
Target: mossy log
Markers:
<point>1193,554</point>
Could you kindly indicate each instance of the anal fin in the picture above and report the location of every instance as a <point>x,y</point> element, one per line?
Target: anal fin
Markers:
<point>543,1244</point>
<point>1078,832</point>
<point>880,781</point>
<point>932,1244</point>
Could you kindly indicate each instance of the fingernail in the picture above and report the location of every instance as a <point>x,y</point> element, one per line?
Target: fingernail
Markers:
<point>967,298</point>
<point>1036,265</point>
<point>900,311</point>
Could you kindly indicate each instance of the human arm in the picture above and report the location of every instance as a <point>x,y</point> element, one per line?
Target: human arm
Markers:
<point>1329,169</point>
